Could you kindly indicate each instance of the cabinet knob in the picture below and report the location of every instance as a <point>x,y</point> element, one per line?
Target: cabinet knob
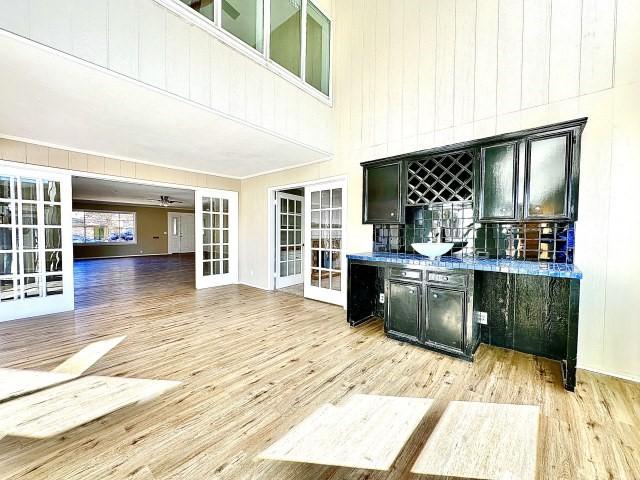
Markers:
<point>502,210</point>
<point>393,214</point>
<point>435,295</point>
<point>537,209</point>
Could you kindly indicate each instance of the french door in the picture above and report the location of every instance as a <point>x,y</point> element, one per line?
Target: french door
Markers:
<point>216,238</point>
<point>325,209</point>
<point>36,250</point>
<point>289,239</point>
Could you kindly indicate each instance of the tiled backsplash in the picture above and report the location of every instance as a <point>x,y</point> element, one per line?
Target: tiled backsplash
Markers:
<point>453,222</point>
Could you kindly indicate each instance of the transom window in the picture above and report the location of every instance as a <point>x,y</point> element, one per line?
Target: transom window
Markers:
<point>104,227</point>
<point>299,34</point>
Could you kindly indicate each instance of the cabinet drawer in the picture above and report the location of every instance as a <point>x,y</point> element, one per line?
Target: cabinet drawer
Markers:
<point>405,274</point>
<point>452,279</point>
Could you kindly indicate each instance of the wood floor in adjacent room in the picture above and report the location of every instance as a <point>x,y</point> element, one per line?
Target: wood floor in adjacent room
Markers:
<point>256,363</point>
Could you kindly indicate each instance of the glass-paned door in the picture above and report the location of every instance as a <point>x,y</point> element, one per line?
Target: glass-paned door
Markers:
<point>36,250</point>
<point>325,209</point>
<point>216,238</point>
<point>289,239</point>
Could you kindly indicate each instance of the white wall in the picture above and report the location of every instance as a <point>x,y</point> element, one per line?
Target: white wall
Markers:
<point>415,74</point>
<point>145,41</point>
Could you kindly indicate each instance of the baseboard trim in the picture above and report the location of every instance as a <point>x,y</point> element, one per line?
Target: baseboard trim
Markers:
<point>629,378</point>
<point>247,284</point>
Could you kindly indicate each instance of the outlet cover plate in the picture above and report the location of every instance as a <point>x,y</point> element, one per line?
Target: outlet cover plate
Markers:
<point>481,317</point>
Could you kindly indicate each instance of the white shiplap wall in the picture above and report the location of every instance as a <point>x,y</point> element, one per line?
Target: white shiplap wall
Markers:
<point>145,41</point>
<point>414,74</point>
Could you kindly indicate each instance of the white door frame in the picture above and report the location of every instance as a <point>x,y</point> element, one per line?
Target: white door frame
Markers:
<point>296,279</point>
<point>31,307</point>
<point>232,276</point>
<point>169,229</point>
<point>271,197</point>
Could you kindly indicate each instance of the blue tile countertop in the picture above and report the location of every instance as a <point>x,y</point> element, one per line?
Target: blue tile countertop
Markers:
<point>545,269</point>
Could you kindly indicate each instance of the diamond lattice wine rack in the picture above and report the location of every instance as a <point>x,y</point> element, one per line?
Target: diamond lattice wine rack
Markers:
<point>441,178</point>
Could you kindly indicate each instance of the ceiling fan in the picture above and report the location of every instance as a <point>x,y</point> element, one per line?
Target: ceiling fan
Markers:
<point>164,200</point>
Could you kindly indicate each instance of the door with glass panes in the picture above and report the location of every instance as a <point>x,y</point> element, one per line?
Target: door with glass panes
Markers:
<point>216,238</point>
<point>289,239</point>
<point>325,266</point>
<point>36,250</point>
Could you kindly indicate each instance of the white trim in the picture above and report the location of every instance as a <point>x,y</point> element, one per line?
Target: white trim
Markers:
<point>271,225</point>
<point>108,243</point>
<point>261,58</point>
<point>253,285</point>
<point>295,279</point>
<point>600,371</point>
<point>153,88</point>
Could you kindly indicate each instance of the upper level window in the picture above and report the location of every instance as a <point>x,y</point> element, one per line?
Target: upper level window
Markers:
<point>205,7</point>
<point>288,23</point>
<point>286,34</point>
<point>100,227</point>
<point>318,49</point>
<point>244,19</point>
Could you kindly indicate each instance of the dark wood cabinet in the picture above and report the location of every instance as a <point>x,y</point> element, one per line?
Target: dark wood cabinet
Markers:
<point>404,310</point>
<point>548,177</point>
<point>532,178</point>
<point>382,194</point>
<point>498,182</point>
<point>445,318</point>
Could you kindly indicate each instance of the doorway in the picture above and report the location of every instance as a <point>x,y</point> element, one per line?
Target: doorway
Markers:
<point>289,241</point>
<point>307,248</point>
<point>182,232</point>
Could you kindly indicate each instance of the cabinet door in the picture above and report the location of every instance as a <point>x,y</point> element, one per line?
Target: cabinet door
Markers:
<point>498,182</point>
<point>403,309</point>
<point>547,177</point>
<point>445,317</point>
<point>382,194</point>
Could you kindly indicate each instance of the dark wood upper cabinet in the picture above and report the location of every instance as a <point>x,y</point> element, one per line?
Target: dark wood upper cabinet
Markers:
<point>497,171</point>
<point>548,177</point>
<point>382,192</point>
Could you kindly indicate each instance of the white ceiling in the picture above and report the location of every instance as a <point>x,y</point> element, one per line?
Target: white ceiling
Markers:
<point>97,190</point>
<point>54,100</point>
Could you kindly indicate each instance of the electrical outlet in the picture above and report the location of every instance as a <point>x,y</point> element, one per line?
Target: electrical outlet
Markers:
<point>381,299</point>
<point>481,317</point>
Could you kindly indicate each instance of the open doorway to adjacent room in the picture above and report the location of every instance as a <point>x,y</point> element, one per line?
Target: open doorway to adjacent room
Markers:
<point>130,236</point>
<point>289,240</point>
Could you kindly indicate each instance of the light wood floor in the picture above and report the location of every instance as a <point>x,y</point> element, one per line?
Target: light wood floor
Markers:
<point>256,363</point>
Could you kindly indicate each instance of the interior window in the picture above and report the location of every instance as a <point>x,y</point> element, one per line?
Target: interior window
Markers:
<point>286,32</point>
<point>318,49</point>
<point>243,19</point>
<point>204,7</point>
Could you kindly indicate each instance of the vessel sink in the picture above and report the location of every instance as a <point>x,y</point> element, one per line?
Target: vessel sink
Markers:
<point>432,250</point>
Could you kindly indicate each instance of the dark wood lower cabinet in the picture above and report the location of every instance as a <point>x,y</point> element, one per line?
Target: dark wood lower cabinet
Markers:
<point>445,318</point>
<point>404,312</point>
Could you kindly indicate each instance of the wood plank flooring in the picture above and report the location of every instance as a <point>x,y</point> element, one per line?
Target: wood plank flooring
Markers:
<point>254,364</point>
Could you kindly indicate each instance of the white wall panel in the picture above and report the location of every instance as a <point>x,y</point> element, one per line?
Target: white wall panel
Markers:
<point>14,17</point>
<point>465,62</point>
<point>50,23</point>
<point>124,37</point>
<point>535,52</point>
<point>445,63</point>
<point>255,81</point>
<point>381,86</point>
<point>627,53</point>
<point>410,69</point>
<point>368,66</point>
<point>199,68</point>
<point>220,64</point>
<point>564,55</point>
<point>598,33</point>
<point>426,60</point>
<point>178,40</point>
<point>509,56</point>
<point>153,48</point>
<point>237,90</point>
<point>90,32</point>
<point>486,58</point>
<point>396,80</point>
<point>356,73</point>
